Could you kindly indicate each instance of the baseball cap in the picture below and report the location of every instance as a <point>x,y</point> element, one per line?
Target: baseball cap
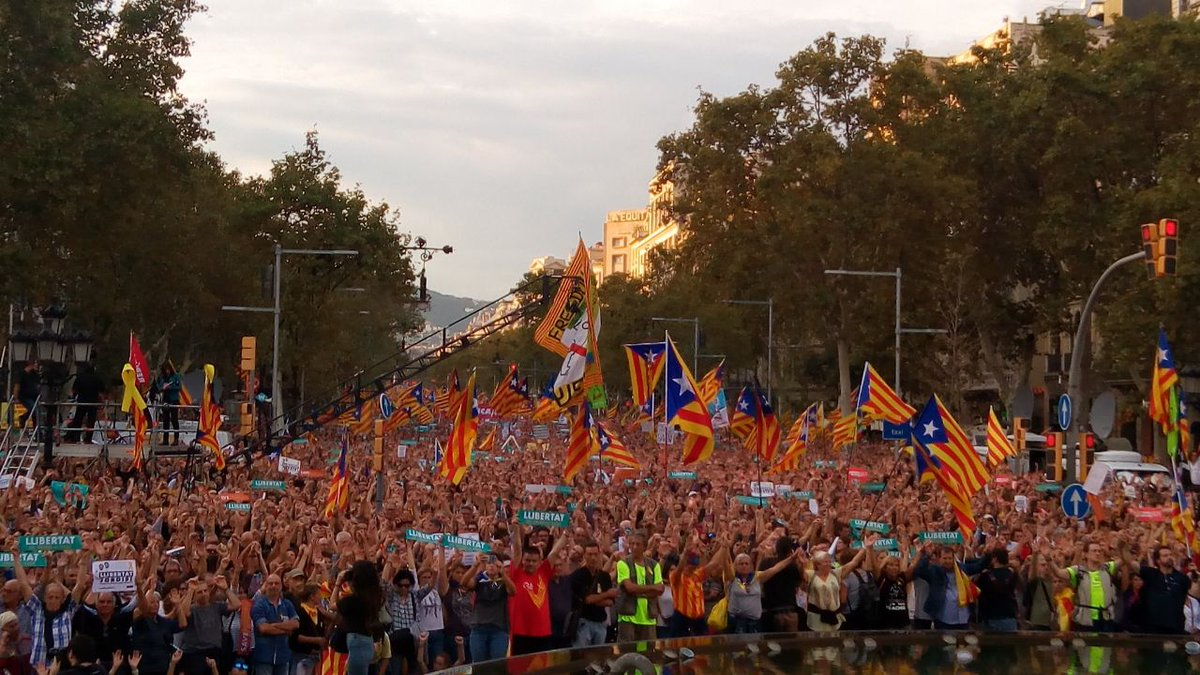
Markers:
<point>296,572</point>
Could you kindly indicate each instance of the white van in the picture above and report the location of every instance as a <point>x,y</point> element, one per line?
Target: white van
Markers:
<point>1128,467</point>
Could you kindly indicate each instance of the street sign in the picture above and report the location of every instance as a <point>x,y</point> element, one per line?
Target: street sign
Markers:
<point>1064,412</point>
<point>1074,502</point>
<point>386,408</point>
<point>895,432</point>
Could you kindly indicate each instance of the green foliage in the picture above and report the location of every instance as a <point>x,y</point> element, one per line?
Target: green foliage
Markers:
<point>110,202</point>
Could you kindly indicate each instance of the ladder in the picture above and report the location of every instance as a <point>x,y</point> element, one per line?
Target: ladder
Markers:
<point>506,311</point>
<point>21,449</point>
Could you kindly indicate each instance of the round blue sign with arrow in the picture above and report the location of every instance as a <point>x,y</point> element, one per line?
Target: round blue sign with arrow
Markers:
<point>1075,503</point>
<point>1064,412</point>
<point>385,406</point>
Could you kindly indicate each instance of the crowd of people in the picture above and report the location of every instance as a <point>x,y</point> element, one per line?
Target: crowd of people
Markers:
<point>241,577</point>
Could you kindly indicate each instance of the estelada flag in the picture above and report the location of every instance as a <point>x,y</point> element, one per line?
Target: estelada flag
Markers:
<point>137,359</point>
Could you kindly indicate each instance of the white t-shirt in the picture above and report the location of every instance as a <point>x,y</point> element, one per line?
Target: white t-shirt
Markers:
<point>429,612</point>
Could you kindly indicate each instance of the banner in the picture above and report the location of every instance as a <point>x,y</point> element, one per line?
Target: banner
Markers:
<point>569,301</point>
<point>114,576</point>
<point>857,475</point>
<point>268,486</point>
<point>751,501</point>
<point>238,506</point>
<point>69,494</point>
<point>51,542</point>
<point>543,518</point>
<point>872,487</point>
<point>289,465</point>
<point>27,560</point>
<point>869,526</point>
<point>423,537</point>
<point>941,537</point>
<point>763,489</point>
<point>682,475</point>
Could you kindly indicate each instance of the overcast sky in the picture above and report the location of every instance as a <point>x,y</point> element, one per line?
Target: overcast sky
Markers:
<point>506,128</point>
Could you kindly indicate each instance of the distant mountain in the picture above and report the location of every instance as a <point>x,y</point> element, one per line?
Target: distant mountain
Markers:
<point>444,309</point>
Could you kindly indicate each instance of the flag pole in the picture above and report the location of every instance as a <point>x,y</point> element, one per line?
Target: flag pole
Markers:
<point>666,438</point>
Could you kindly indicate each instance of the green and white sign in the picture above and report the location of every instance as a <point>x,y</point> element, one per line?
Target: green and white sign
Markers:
<point>941,537</point>
<point>268,485</point>
<point>408,441</point>
<point>803,495</point>
<point>889,544</point>
<point>464,544</point>
<point>751,501</point>
<point>27,560</point>
<point>1048,487</point>
<point>563,489</point>
<point>69,494</point>
<point>543,518</point>
<point>237,506</point>
<point>51,542</point>
<point>869,526</point>
<point>423,537</point>
<point>873,487</point>
<point>682,475</point>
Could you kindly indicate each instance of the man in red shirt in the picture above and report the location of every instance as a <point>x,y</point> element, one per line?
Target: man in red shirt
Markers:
<point>529,607</point>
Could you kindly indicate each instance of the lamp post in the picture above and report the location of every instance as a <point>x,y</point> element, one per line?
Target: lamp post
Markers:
<point>770,303</point>
<point>695,335</point>
<point>276,311</point>
<point>900,330</point>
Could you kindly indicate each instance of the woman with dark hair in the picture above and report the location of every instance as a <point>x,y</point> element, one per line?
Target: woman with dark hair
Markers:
<point>358,614</point>
<point>170,388</point>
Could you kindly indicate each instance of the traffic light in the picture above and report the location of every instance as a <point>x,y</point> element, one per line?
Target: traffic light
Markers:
<point>246,419</point>
<point>1150,249</point>
<point>246,364</point>
<point>1054,447</point>
<point>1089,441</point>
<point>1019,433</point>
<point>1168,247</point>
<point>377,459</point>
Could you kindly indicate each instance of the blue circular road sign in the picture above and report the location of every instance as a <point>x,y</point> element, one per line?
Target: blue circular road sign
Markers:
<point>1064,412</point>
<point>385,406</point>
<point>1074,502</point>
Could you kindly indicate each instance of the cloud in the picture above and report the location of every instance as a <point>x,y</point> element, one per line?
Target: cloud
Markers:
<point>507,128</point>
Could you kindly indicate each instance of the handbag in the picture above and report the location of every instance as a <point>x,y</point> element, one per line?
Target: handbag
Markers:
<point>718,618</point>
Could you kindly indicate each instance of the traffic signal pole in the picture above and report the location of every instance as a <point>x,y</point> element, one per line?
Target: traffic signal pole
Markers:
<point>1075,375</point>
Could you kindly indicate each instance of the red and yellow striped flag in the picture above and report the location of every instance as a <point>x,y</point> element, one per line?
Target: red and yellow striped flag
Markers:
<point>580,445</point>
<point>210,420</point>
<point>457,459</point>
<point>998,446</point>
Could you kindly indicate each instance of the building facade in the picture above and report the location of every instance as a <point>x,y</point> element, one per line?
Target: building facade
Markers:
<point>631,235</point>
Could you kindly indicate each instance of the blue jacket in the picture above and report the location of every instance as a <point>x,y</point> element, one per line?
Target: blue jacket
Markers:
<point>938,579</point>
<point>271,648</point>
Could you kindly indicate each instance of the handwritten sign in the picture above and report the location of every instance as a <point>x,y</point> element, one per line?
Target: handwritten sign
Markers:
<point>941,537</point>
<point>114,576</point>
<point>543,518</point>
<point>51,542</point>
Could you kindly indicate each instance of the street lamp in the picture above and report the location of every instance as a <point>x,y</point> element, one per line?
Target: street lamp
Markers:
<point>276,311</point>
<point>899,329</point>
<point>770,303</point>
<point>695,335</point>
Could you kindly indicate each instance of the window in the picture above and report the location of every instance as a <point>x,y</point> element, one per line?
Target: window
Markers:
<point>619,242</point>
<point>618,264</point>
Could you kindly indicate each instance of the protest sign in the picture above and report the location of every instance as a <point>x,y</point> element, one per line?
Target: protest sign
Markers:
<point>51,542</point>
<point>74,495</point>
<point>289,466</point>
<point>114,576</point>
<point>543,518</point>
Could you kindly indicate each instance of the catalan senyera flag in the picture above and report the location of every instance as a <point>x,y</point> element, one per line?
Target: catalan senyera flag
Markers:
<point>210,420</point>
<point>141,428</point>
<point>457,459</point>
<point>767,433</point>
<point>685,411</point>
<point>133,404</point>
<point>742,423</point>
<point>711,383</point>
<point>949,444</point>
<point>968,592</point>
<point>612,449</point>
<point>845,431</point>
<point>1182,522</point>
<point>928,435</point>
<point>489,442</point>
<point>797,443</point>
<point>364,418</point>
<point>998,445</point>
<point>645,368</point>
<point>413,402</point>
<point>1162,383</point>
<point>581,444</point>
<point>878,401</point>
<point>332,662</point>
<point>339,488</point>
<point>565,306</point>
<point>510,398</point>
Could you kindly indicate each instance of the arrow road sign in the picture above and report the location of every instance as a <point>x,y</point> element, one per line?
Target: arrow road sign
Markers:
<point>1064,412</point>
<point>1074,502</point>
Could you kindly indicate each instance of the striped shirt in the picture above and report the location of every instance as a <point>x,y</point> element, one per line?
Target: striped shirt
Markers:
<point>688,591</point>
<point>60,628</point>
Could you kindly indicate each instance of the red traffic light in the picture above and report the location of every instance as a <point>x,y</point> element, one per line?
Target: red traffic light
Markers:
<point>1089,441</point>
<point>1170,227</point>
<point>1148,232</point>
<point>1052,440</point>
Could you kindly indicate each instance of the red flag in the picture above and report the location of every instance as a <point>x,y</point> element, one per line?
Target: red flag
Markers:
<point>137,359</point>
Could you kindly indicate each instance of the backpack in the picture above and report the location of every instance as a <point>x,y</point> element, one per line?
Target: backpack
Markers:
<point>864,615</point>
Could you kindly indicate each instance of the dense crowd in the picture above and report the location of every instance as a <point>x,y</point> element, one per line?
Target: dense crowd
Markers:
<point>232,578</point>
